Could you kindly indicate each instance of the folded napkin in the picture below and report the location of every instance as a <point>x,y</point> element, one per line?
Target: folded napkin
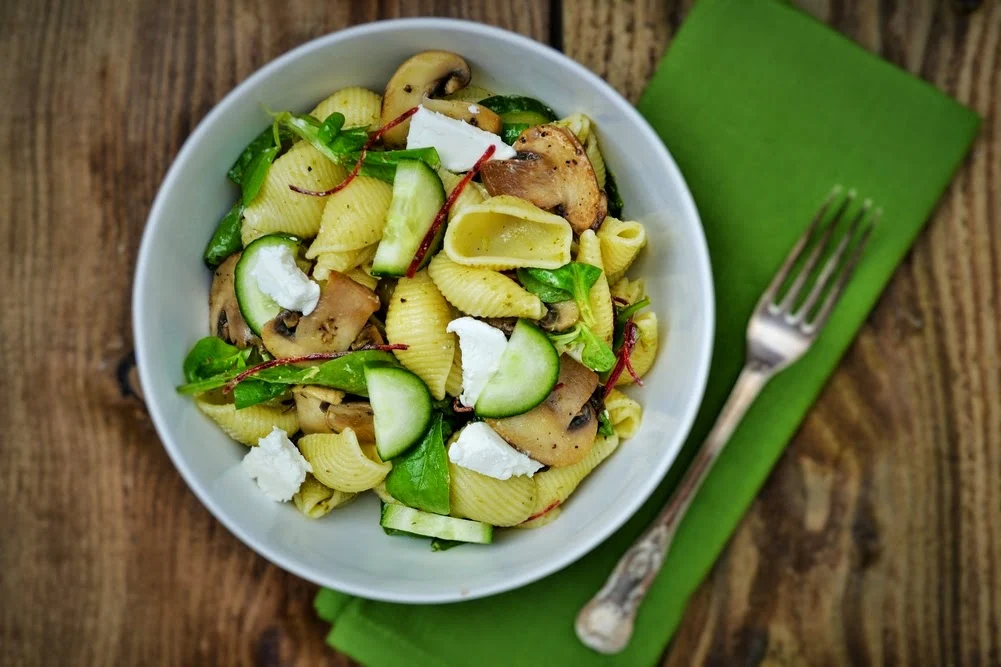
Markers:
<point>764,110</point>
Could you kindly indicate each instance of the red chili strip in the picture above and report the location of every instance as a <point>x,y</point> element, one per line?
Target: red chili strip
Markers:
<point>558,385</point>
<point>543,512</point>
<point>439,219</point>
<point>629,338</point>
<point>376,136</point>
<point>317,356</point>
<point>619,300</point>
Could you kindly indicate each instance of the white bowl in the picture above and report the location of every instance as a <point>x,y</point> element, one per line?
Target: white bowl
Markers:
<point>347,550</point>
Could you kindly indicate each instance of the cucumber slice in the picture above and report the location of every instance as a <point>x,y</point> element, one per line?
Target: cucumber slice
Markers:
<point>511,131</point>
<point>257,307</point>
<point>401,406</point>
<point>527,373</point>
<point>416,522</point>
<point>518,109</point>
<point>418,195</point>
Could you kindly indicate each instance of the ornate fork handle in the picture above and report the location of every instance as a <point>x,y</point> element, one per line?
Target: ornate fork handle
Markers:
<point>606,623</point>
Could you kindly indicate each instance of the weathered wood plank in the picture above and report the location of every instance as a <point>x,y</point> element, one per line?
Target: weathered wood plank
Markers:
<point>876,539</point>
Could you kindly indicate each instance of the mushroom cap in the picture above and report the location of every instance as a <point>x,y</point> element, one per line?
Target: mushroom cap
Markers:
<point>340,315</point>
<point>560,316</point>
<point>426,74</point>
<point>467,112</point>
<point>560,431</point>
<point>225,318</point>
<point>553,172</point>
<point>311,405</point>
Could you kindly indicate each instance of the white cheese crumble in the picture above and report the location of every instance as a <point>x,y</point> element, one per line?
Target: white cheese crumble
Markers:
<point>277,466</point>
<point>482,346</point>
<point>480,449</point>
<point>459,144</point>
<point>278,276</point>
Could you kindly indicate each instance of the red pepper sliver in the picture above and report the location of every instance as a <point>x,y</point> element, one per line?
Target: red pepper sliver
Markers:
<point>543,512</point>
<point>318,356</point>
<point>622,363</point>
<point>376,136</point>
<point>439,219</point>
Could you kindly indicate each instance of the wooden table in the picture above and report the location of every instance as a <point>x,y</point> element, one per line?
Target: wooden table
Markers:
<point>876,540</point>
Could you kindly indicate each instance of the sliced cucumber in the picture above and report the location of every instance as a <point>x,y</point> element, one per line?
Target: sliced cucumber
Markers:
<point>416,522</point>
<point>527,374</point>
<point>512,131</point>
<point>519,109</point>
<point>257,307</point>
<point>418,195</point>
<point>401,406</point>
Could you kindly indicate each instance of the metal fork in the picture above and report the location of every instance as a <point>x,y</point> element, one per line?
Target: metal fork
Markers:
<point>781,330</point>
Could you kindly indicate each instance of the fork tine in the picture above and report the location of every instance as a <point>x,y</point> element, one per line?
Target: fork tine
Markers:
<point>832,298</point>
<point>834,261</point>
<point>819,249</point>
<point>768,298</point>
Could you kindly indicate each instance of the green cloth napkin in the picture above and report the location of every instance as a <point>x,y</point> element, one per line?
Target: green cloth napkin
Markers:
<point>764,110</point>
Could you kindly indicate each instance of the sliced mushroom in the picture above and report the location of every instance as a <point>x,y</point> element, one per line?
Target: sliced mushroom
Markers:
<point>225,319</point>
<point>551,171</point>
<point>467,112</point>
<point>560,316</point>
<point>559,431</point>
<point>356,415</point>
<point>505,324</point>
<point>427,74</point>
<point>311,405</point>
<point>370,335</point>
<point>340,315</point>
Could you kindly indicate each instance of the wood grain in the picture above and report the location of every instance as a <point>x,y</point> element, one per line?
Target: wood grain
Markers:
<point>876,541</point>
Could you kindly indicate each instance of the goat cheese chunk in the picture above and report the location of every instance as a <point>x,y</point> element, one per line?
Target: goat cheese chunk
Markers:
<point>480,449</point>
<point>481,346</point>
<point>277,466</point>
<point>278,276</point>
<point>459,144</point>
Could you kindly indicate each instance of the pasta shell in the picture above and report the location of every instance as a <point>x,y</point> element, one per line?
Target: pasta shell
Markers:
<point>505,232</point>
<point>542,520</point>
<point>417,316</point>
<point>645,351</point>
<point>361,107</point>
<point>279,209</point>
<point>353,217</point>
<point>596,159</point>
<point>483,292</point>
<point>339,462</point>
<point>624,413</point>
<point>249,424</point>
<point>498,502</point>
<point>555,485</point>
<point>621,242</point>
<point>589,252</point>
<point>342,261</point>
<point>470,195</point>
<point>577,123</point>
<point>628,290</point>
<point>315,500</point>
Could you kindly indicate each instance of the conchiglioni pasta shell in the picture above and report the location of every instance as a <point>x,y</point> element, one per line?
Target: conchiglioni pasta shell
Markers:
<point>624,413</point>
<point>589,252</point>
<point>596,159</point>
<point>628,290</point>
<point>315,499</point>
<point>470,195</point>
<point>249,424</point>
<point>621,242</point>
<point>453,384</point>
<point>499,502</point>
<point>380,490</point>
<point>361,107</point>
<point>278,209</point>
<point>543,520</point>
<point>645,350</point>
<point>354,217</point>
<point>483,292</point>
<point>342,261</point>
<point>339,462</point>
<point>577,123</point>
<point>417,317</point>
<point>506,232</point>
<point>555,485</point>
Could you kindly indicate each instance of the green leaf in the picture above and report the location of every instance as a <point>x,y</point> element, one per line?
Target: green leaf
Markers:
<point>614,198</point>
<point>346,373</point>
<point>511,131</point>
<point>349,141</point>
<point>261,142</point>
<point>226,239</point>
<point>605,424</point>
<point>257,171</point>
<point>622,316</point>
<point>382,164</point>
<point>211,356</point>
<point>419,478</point>
<point>251,392</point>
<point>438,544</point>
<point>547,293</point>
<point>214,382</point>
<point>575,279</point>
<point>581,344</point>
<point>309,129</point>
<point>331,127</point>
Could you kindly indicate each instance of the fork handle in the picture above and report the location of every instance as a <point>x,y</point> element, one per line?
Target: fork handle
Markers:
<point>605,624</point>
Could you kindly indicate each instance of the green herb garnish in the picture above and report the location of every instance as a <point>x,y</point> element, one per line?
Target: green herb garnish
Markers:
<point>570,281</point>
<point>419,478</point>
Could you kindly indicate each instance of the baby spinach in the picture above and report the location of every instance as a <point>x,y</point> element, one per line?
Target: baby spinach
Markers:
<point>605,427</point>
<point>570,281</point>
<point>265,140</point>
<point>615,203</point>
<point>252,392</point>
<point>419,478</point>
<point>622,316</point>
<point>211,356</point>
<point>382,164</point>
<point>257,171</point>
<point>226,239</point>
<point>581,344</point>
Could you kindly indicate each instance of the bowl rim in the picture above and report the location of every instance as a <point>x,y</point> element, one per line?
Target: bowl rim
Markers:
<point>531,574</point>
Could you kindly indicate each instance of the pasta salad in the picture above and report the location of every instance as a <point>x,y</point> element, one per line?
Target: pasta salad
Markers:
<point>423,294</point>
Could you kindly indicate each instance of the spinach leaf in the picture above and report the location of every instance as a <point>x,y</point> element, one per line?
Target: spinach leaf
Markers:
<point>226,239</point>
<point>382,164</point>
<point>546,293</point>
<point>622,316</point>
<point>257,170</point>
<point>331,127</point>
<point>419,478</point>
<point>605,424</point>
<point>310,129</point>
<point>439,544</point>
<point>615,203</point>
<point>581,344</point>
<point>251,392</point>
<point>348,141</point>
<point>211,356</point>
<point>575,279</point>
<point>346,373</point>
<point>261,142</point>
<point>510,132</point>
